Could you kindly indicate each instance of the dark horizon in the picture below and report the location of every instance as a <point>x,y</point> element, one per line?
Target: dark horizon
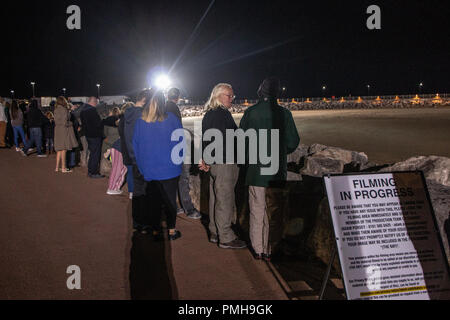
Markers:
<point>306,45</point>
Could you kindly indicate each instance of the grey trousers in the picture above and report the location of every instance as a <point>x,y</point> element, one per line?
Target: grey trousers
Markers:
<point>267,207</point>
<point>84,154</point>
<point>259,221</point>
<point>183,189</point>
<point>223,178</point>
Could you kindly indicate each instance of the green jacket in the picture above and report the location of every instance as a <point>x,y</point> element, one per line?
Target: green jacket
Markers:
<point>267,114</point>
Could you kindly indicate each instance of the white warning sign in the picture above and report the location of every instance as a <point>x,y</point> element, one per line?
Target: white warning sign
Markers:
<point>387,239</point>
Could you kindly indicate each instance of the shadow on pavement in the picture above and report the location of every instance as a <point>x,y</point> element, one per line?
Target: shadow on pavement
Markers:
<point>151,275</point>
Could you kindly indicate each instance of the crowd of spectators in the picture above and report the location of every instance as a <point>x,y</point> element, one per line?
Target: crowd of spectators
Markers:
<point>198,110</point>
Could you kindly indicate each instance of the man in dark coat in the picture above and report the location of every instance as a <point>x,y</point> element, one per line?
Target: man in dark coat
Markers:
<point>93,129</point>
<point>265,180</point>
<point>173,96</point>
<point>84,154</point>
<point>36,120</point>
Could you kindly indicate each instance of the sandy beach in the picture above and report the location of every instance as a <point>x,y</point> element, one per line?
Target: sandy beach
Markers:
<point>385,135</point>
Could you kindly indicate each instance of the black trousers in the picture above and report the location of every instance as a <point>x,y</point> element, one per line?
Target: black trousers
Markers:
<point>162,195</point>
<point>140,203</point>
<point>9,136</point>
<point>95,153</point>
<point>150,198</point>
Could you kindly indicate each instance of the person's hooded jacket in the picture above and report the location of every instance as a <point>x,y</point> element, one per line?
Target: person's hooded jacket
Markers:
<point>131,116</point>
<point>36,118</point>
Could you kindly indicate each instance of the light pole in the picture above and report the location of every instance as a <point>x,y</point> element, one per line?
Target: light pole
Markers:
<point>12,94</point>
<point>98,90</point>
<point>420,87</point>
<point>368,90</point>
<point>64,90</point>
<point>323,90</point>
<point>32,86</point>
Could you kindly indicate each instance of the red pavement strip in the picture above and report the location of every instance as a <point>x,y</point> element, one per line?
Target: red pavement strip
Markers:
<point>50,221</point>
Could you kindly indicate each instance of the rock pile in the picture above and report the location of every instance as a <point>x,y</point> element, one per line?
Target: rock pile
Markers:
<point>308,226</point>
<point>321,160</point>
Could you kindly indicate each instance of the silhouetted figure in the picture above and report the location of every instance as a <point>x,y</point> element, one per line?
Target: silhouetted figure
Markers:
<point>93,130</point>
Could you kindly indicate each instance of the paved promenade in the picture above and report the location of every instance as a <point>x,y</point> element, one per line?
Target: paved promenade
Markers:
<point>50,221</point>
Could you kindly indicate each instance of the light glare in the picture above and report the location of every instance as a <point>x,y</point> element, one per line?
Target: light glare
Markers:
<point>162,82</point>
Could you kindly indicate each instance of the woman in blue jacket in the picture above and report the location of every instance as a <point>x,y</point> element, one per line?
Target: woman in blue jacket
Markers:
<point>153,145</point>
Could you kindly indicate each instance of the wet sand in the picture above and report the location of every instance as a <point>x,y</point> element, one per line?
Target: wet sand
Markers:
<point>385,135</point>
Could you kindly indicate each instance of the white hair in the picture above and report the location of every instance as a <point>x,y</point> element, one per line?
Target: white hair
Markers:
<point>213,101</point>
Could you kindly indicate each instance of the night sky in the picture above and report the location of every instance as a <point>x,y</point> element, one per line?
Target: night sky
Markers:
<point>305,43</point>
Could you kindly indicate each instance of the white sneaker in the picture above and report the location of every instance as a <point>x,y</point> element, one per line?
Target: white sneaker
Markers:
<point>114,192</point>
<point>130,195</point>
<point>42,156</point>
<point>18,149</point>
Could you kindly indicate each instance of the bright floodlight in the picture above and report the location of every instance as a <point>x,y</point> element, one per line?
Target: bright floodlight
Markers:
<point>162,82</point>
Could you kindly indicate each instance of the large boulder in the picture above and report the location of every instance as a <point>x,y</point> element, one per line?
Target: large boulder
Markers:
<point>319,166</point>
<point>296,156</point>
<point>360,158</point>
<point>440,199</point>
<point>316,147</point>
<point>321,240</point>
<point>346,156</point>
<point>434,168</point>
<point>292,176</point>
<point>195,190</point>
<point>335,153</point>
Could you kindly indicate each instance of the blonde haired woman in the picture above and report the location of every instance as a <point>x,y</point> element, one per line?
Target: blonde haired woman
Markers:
<point>223,177</point>
<point>153,145</point>
<point>64,134</point>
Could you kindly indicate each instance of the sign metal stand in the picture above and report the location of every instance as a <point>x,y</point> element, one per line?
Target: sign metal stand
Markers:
<point>327,273</point>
